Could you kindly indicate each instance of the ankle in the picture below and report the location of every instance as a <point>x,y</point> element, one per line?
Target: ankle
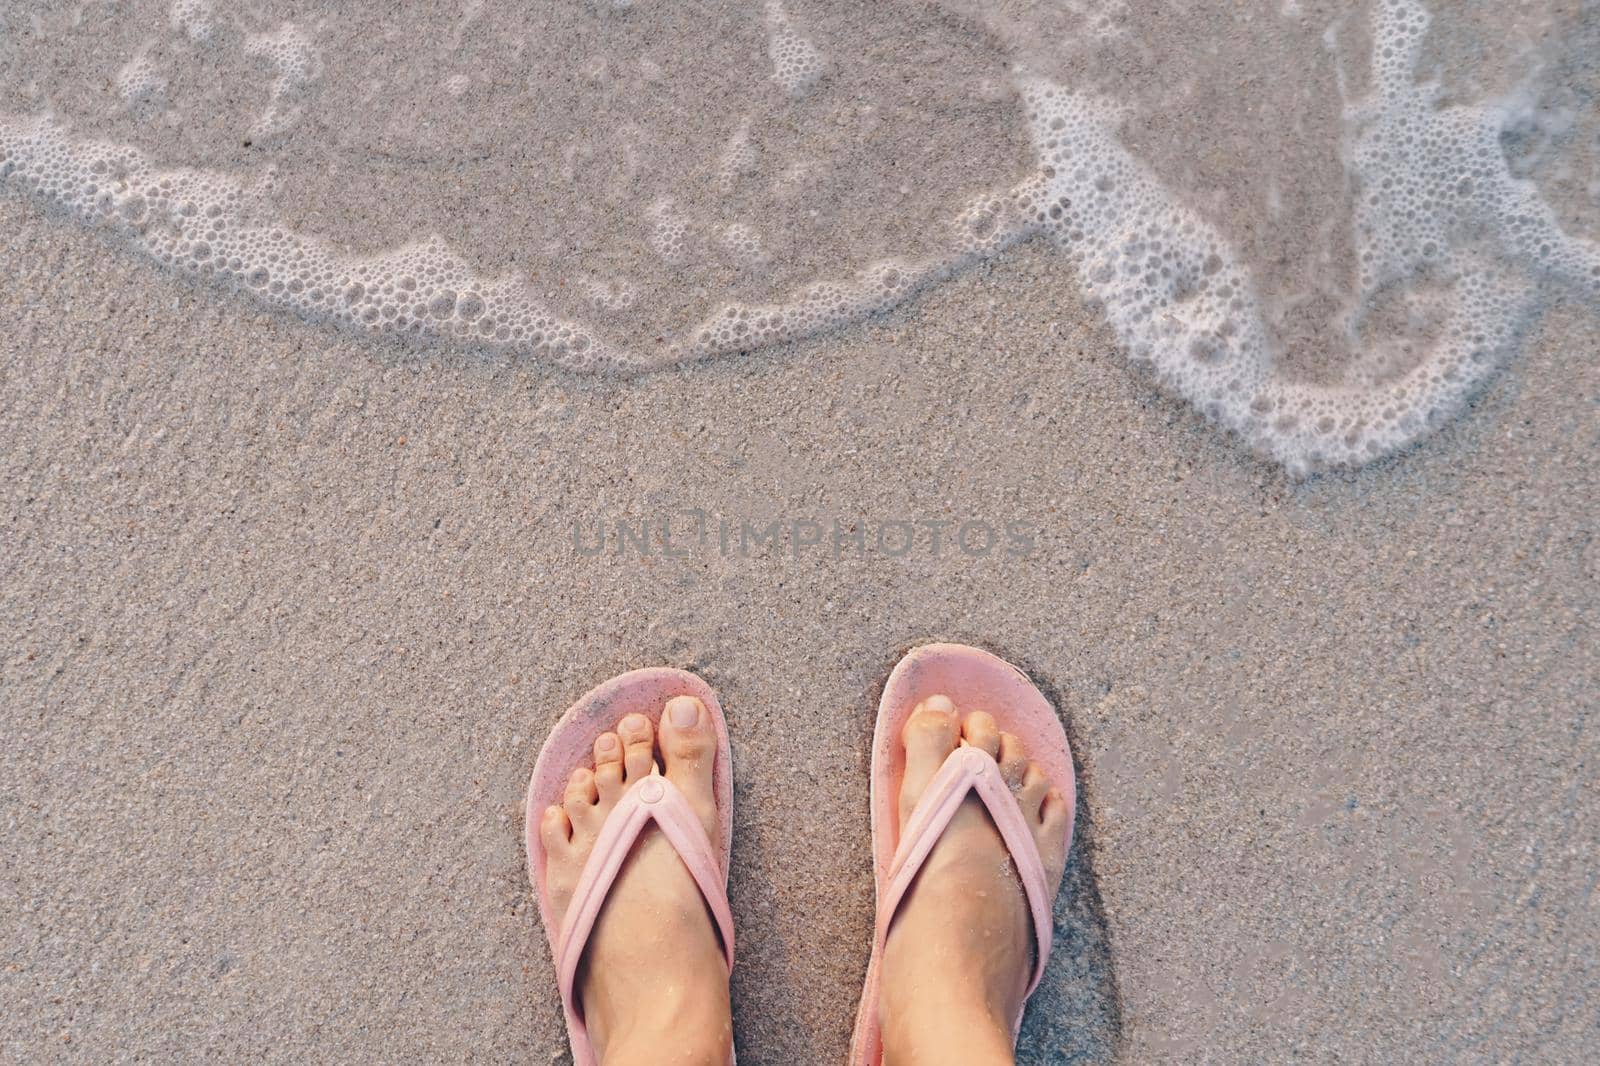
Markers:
<point>678,1046</point>
<point>685,1043</point>
<point>954,1033</point>
<point>676,1027</point>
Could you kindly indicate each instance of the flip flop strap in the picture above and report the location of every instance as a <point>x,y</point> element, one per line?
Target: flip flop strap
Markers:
<point>969,769</point>
<point>652,799</point>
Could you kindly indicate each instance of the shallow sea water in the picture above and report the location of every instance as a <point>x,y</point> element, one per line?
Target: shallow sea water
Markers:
<point>1323,225</point>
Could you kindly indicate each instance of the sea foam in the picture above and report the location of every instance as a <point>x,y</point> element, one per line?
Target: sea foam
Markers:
<point>1447,240</point>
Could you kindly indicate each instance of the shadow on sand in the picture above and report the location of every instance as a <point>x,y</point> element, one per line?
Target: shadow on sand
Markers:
<point>1076,1015</point>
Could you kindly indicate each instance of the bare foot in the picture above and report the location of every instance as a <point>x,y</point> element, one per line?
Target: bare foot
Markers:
<point>652,984</point>
<point>959,955</point>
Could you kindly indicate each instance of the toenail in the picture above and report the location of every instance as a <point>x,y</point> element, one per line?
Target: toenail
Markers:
<point>941,704</point>
<point>636,723</point>
<point>685,711</point>
<point>607,743</point>
<point>650,790</point>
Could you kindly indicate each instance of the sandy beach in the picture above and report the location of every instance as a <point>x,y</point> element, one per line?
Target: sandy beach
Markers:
<point>375,381</point>
<point>290,613</point>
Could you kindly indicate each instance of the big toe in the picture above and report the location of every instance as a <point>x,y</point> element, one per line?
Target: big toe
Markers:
<point>689,749</point>
<point>930,735</point>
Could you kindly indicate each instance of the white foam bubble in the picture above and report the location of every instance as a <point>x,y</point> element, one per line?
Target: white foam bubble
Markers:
<point>140,82</point>
<point>797,64</point>
<point>194,19</point>
<point>742,244</point>
<point>608,294</point>
<point>295,67</point>
<point>669,230</point>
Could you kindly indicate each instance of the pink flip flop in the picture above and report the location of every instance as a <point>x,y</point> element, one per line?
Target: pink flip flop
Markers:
<point>975,681</point>
<point>570,745</point>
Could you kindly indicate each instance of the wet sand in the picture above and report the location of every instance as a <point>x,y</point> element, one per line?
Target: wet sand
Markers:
<point>290,614</point>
